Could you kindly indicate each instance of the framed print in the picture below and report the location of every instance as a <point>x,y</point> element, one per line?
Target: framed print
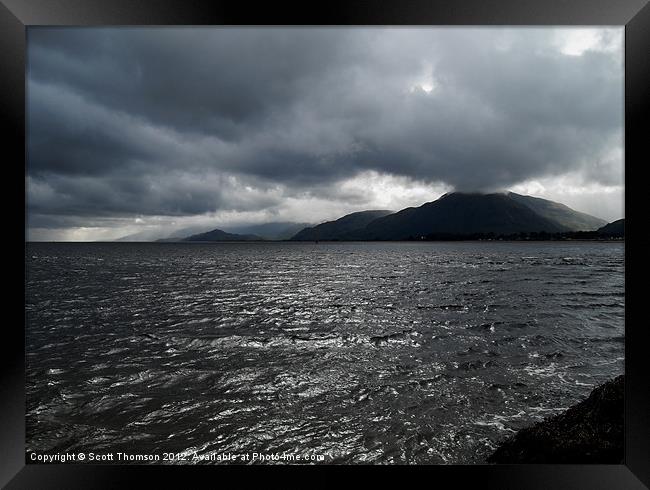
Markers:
<point>359,235</point>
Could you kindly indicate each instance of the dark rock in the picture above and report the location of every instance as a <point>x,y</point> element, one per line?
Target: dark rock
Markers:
<point>588,432</point>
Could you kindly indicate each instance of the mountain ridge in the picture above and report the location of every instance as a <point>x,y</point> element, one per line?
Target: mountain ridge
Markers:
<point>615,228</point>
<point>453,215</point>
<point>462,213</point>
<point>340,228</point>
<point>563,214</point>
<point>218,235</point>
<point>275,230</point>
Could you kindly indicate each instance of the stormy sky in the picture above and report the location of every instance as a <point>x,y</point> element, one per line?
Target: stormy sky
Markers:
<point>151,130</point>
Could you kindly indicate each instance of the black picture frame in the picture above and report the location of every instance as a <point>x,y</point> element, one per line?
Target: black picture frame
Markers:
<point>17,15</point>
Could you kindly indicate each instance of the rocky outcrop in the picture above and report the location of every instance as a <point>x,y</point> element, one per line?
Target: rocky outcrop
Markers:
<point>588,432</point>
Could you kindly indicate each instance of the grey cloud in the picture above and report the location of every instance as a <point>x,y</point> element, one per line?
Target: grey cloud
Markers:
<point>198,79</point>
<point>125,121</point>
<point>172,195</point>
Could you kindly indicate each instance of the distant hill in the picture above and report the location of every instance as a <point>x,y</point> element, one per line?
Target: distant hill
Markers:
<point>171,239</point>
<point>142,236</point>
<point>281,230</point>
<point>160,236</point>
<point>559,213</point>
<point>341,228</point>
<point>220,236</point>
<point>459,214</point>
<point>613,229</point>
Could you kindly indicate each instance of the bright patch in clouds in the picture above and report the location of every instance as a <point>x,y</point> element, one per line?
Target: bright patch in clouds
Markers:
<point>385,191</point>
<point>576,41</point>
<point>424,81</point>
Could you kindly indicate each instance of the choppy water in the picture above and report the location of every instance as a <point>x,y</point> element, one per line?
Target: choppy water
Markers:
<point>360,352</point>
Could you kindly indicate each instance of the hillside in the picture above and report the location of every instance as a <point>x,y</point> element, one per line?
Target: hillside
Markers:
<point>559,213</point>
<point>220,236</point>
<point>460,213</point>
<point>613,229</point>
<point>341,228</point>
<point>282,230</point>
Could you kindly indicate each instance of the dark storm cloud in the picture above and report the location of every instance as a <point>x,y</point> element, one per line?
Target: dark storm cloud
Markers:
<point>204,80</point>
<point>187,121</point>
<point>175,194</point>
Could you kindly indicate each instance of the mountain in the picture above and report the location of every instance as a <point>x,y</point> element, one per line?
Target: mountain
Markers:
<point>559,213</point>
<point>157,235</point>
<point>220,236</point>
<point>142,236</point>
<point>281,230</point>
<point>460,214</point>
<point>341,228</point>
<point>614,229</point>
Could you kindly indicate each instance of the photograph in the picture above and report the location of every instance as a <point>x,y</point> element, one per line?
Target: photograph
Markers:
<point>325,245</point>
